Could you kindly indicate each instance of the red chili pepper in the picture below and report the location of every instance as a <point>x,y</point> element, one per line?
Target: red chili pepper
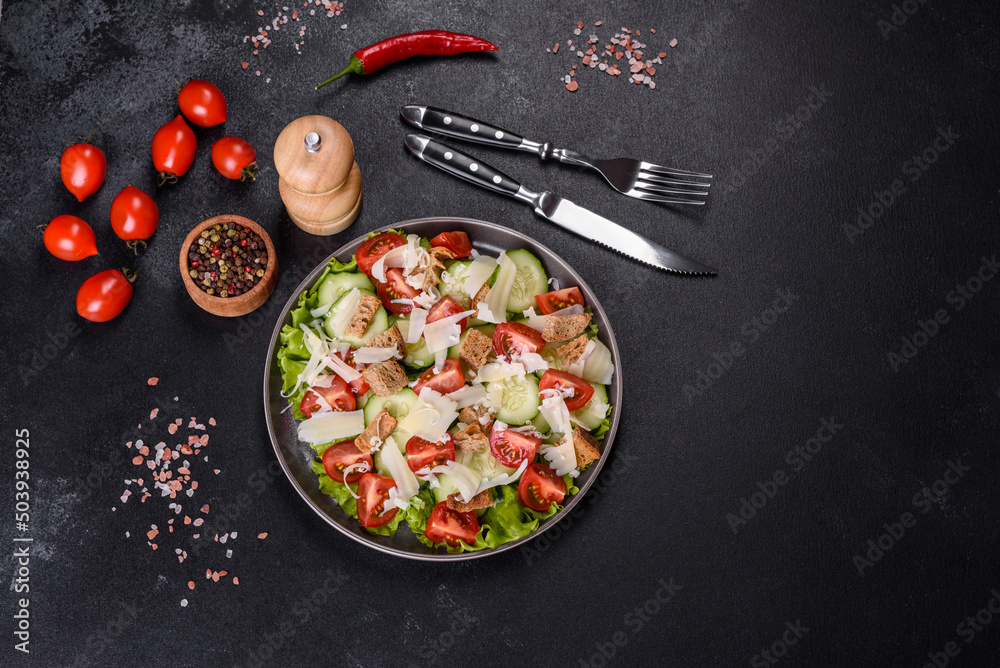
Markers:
<point>426,43</point>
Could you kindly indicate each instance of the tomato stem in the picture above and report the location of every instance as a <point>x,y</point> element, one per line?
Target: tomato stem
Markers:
<point>165,177</point>
<point>249,173</point>
<point>130,274</point>
<point>134,245</point>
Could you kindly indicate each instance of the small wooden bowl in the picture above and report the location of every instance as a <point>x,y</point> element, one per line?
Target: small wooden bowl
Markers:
<point>231,307</point>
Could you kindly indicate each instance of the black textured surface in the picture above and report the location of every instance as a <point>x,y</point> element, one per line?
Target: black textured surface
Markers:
<point>776,221</point>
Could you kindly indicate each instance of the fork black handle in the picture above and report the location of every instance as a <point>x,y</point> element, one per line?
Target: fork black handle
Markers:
<point>458,126</point>
<point>462,165</point>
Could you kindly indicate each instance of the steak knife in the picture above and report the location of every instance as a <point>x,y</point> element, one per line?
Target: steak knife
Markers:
<point>554,208</point>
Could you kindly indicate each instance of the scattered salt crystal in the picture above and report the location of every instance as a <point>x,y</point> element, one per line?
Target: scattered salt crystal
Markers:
<point>576,31</point>
<point>673,42</point>
<point>343,26</point>
<point>153,381</point>
<point>184,603</point>
<point>229,554</point>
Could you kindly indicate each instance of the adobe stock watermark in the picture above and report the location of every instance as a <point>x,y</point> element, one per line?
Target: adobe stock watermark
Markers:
<point>957,299</point>
<point>778,649</point>
<point>892,533</point>
<point>634,620</point>
<point>607,479</point>
<point>99,641</point>
<point>433,650</point>
<point>967,630</point>
<point>707,34</point>
<point>901,13</point>
<point>750,332</point>
<point>911,171</point>
<point>46,350</point>
<point>797,459</point>
<point>783,130</point>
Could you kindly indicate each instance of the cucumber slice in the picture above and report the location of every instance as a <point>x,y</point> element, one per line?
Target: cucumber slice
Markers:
<point>539,423</point>
<point>447,486</point>
<point>453,282</point>
<point>417,355</point>
<point>379,322</point>
<point>529,281</point>
<point>591,415</point>
<point>486,329</point>
<point>599,367</point>
<point>398,405</point>
<point>483,463</point>
<point>520,400</point>
<point>335,285</point>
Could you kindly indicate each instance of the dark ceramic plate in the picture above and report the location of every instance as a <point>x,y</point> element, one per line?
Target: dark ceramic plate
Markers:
<point>295,455</point>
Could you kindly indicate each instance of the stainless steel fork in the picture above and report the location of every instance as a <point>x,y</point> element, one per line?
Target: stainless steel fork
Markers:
<point>635,178</point>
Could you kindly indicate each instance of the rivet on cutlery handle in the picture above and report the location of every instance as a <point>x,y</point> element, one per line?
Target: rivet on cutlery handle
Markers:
<point>461,165</point>
<point>455,125</point>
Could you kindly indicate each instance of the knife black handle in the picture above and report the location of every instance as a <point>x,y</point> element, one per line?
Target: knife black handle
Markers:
<point>458,126</point>
<point>462,165</point>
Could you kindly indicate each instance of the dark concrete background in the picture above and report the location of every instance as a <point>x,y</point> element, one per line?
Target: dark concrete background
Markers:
<point>776,221</point>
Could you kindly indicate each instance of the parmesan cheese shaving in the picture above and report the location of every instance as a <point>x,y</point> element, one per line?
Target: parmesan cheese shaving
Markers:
<point>497,371</point>
<point>430,416</point>
<point>561,456</point>
<point>361,467</point>
<point>394,258</point>
<point>479,272</point>
<point>347,305</point>
<point>342,369</point>
<point>537,321</point>
<point>467,395</point>
<point>467,480</point>
<point>414,325</point>
<point>576,368</point>
<point>328,427</point>
<point>444,333</point>
<point>400,472</point>
<point>553,410</point>
<point>368,355</point>
<point>494,308</point>
<point>501,479</point>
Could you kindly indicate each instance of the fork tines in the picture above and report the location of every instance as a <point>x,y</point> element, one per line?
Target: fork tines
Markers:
<point>651,179</point>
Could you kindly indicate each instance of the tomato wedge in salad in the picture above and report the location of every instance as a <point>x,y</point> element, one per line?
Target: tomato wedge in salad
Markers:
<point>540,487</point>
<point>445,307</point>
<point>512,447</point>
<point>448,380</point>
<point>457,242</point>
<point>372,249</point>
<point>340,455</point>
<point>515,338</point>
<point>553,301</point>
<point>359,385</point>
<point>338,397</point>
<point>373,492</point>
<point>450,526</point>
<point>396,287</point>
<point>422,453</point>
<point>582,390</point>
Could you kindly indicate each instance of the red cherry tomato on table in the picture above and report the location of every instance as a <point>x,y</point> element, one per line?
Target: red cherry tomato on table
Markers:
<point>553,301</point>
<point>512,447</point>
<point>70,238</point>
<point>373,491</point>
<point>449,380</point>
<point>457,242</point>
<point>395,287</point>
<point>104,295</point>
<point>235,159</point>
<point>444,307</point>
<point>450,526</point>
<point>134,214</point>
<point>337,396</point>
<point>582,390</point>
<point>514,337</point>
<point>202,103</point>
<point>540,487</point>
<point>372,249</point>
<point>83,168</point>
<point>340,455</point>
<point>421,452</point>
<point>174,145</point>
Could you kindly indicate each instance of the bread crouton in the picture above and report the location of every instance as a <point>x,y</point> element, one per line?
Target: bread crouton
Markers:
<point>471,439</point>
<point>374,435</point>
<point>586,446</point>
<point>563,327</point>
<point>386,378</point>
<point>474,415</point>
<point>388,339</point>
<point>480,296</point>
<point>440,254</point>
<point>482,500</point>
<point>571,351</point>
<point>475,349</point>
<point>430,275</point>
<point>363,315</point>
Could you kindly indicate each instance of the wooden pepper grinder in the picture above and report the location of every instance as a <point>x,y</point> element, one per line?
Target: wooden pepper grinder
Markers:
<point>319,181</point>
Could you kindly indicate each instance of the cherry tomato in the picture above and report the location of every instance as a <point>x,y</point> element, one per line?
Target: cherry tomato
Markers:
<point>69,238</point>
<point>83,168</point>
<point>373,491</point>
<point>457,242</point>
<point>359,385</point>
<point>447,381</point>
<point>421,453</point>
<point>174,145</point>
<point>582,390</point>
<point>372,249</point>
<point>444,307</point>
<point>340,455</point>
<point>540,487</point>
<point>450,526</point>
<point>104,295</point>
<point>202,103</point>
<point>396,287</point>
<point>514,337</point>
<point>337,396</point>
<point>512,447</point>
<point>235,159</point>
<point>134,215</point>
<point>551,302</point>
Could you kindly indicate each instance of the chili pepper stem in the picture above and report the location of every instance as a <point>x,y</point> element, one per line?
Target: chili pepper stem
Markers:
<point>355,67</point>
